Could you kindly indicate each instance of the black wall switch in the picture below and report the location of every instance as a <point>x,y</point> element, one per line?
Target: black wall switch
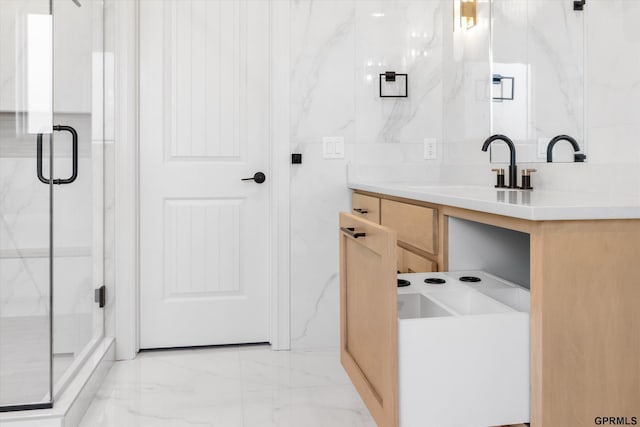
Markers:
<point>296,158</point>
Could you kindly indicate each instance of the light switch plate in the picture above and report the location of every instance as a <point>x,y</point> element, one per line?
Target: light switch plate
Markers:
<point>430,150</point>
<point>333,147</point>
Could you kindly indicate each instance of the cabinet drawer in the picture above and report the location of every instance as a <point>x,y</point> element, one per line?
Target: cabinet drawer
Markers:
<point>455,341</point>
<point>366,206</point>
<point>415,225</point>
<point>409,262</point>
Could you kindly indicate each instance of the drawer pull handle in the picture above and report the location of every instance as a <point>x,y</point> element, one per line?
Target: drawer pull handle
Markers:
<point>352,232</point>
<point>361,211</point>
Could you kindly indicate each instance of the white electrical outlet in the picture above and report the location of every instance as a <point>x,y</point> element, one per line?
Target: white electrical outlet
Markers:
<point>333,147</point>
<point>542,147</point>
<point>430,151</point>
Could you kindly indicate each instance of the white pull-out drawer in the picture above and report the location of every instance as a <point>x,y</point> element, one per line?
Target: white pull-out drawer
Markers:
<point>463,352</point>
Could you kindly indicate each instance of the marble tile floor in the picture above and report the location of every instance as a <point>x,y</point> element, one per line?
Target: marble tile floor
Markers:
<point>239,386</point>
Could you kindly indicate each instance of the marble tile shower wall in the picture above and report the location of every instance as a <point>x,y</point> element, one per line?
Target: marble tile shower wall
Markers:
<point>611,116</point>
<point>338,49</point>
<point>78,209</point>
<point>24,235</point>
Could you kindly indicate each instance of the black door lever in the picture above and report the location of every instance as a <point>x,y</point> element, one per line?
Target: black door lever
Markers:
<point>258,177</point>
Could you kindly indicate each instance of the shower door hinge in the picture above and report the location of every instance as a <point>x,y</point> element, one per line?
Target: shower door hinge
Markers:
<point>101,296</point>
<point>579,4</point>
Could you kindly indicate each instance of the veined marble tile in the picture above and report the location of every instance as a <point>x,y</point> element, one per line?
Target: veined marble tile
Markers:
<point>336,405</point>
<point>322,104</point>
<point>228,387</point>
<point>405,37</point>
<point>266,369</point>
<point>613,78</point>
<point>318,193</point>
<point>322,97</point>
<point>335,46</point>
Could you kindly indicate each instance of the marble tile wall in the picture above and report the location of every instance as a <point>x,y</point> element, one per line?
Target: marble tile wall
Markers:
<point>322,104</point>
<point>339,47</point>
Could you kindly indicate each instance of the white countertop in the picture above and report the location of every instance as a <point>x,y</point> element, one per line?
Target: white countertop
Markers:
<point>534,205</point>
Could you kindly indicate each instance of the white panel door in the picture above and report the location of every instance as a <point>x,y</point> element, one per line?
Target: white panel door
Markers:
<point>204,116</point>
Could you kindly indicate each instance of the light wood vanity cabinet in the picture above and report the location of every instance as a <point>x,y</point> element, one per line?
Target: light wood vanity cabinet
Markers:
<point>416,227</point>
<point>410,262</point>
<point>368,315</point>
<point>367,207</point>
<point>584,311</point>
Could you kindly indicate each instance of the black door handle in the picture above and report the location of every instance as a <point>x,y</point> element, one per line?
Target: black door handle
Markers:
<point>352,232</point>
<point>258,177</point>
<point>74,173</point>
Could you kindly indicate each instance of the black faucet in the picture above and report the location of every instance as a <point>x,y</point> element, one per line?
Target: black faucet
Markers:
<point>578,157</point>
<point>513,169</point>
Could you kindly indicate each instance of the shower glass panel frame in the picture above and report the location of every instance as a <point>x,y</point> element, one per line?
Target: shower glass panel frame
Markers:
<point>51,195</point>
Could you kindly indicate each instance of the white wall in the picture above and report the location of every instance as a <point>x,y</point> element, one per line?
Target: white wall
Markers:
<point>338,49</point>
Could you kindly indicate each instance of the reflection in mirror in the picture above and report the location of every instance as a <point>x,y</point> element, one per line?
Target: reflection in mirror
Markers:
<point>537,50</point>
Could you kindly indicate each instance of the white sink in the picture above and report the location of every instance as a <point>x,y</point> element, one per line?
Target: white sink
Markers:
<point>417,306</point>
<point>516,298</point>
<point>469,302</point>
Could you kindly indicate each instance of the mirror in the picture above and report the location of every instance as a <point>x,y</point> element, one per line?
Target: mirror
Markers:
<point>537,67</point>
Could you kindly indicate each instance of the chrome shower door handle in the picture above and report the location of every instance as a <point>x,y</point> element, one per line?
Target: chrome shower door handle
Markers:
<point>74,173</point>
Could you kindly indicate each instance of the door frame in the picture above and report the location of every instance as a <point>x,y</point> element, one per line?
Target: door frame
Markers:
<point>126,302</point>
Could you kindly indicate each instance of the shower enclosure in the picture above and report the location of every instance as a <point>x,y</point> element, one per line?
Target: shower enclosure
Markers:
<point>51,195</point>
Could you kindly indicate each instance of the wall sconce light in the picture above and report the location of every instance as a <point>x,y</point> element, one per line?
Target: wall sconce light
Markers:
<point>464,14</point>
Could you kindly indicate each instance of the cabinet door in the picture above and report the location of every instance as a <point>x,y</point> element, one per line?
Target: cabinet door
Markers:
<point>367,207</point>
<point>369,315</point>
<point>410,262</point>
<point>415,225</point>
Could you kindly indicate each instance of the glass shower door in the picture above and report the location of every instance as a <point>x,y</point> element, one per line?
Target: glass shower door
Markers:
<point>77,205</point>
<point>51,195</point>
<point>26,111</point>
